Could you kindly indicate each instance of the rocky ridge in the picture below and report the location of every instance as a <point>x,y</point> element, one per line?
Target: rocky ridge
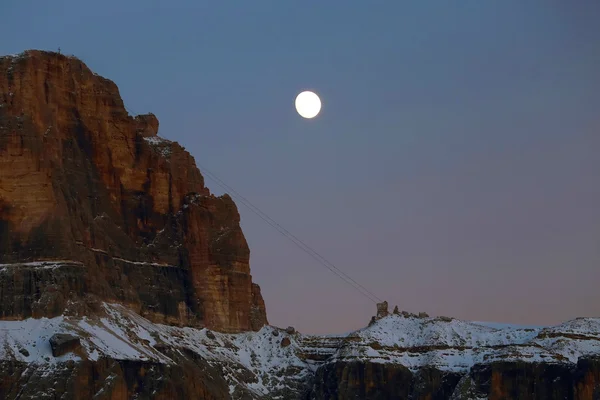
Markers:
<point>397,357</point>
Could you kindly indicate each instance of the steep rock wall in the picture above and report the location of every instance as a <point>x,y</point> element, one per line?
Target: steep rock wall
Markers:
<point>82,180</point>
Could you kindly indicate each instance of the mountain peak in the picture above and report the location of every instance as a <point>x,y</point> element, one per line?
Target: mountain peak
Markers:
<point>82,180</point>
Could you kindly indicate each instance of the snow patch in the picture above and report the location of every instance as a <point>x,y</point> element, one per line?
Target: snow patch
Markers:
<point>162,146</point>
<point>156,140</point>
<point>143,263</point>
<point>40,264</point>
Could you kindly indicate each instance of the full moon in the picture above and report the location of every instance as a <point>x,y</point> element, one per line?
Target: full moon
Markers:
<point>308,104</point>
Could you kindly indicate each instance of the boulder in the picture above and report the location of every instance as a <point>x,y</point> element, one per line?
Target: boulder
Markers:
<point>63,343</point>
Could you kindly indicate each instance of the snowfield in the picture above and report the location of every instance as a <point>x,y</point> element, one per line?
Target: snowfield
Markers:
<point>454,345</point>
<point>272,358</point>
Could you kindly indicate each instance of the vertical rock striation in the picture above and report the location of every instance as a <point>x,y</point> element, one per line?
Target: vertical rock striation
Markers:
<point>82,180</point>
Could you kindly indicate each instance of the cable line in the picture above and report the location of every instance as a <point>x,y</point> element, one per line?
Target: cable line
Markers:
<point>284,232</point>
<point>294,239</point>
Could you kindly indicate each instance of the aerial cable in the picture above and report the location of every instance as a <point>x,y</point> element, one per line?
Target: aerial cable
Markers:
<point>294,239</point>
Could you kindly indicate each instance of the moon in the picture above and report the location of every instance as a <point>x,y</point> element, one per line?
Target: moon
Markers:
<point>308,104</point>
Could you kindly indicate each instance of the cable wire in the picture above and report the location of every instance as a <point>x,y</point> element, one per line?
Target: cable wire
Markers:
<point>294,239</point>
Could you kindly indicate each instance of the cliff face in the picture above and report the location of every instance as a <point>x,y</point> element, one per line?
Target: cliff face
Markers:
<point>495,381</point>
<point>365,380</point>
<point>83,181</point>
<point>414,356</point>
<point>113,380</point>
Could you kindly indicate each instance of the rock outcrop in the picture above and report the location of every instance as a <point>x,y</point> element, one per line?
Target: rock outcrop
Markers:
<point>382,310</point>
<point>62,343</point>
<point>83,181</point>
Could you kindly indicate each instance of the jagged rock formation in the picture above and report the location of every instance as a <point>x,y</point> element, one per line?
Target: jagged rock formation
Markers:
<point>115,260</point>
<point>382,310</point>
<point>82,180</point>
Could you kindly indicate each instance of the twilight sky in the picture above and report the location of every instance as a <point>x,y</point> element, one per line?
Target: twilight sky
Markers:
<point>453,168</point>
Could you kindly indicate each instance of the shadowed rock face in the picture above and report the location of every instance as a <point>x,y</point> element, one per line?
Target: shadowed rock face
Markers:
<point>538,381</point>
<point>360,380</point>
<point>62,343</point>
<point>81,180</point>
<point>113,380</point>
<point>494,381</point>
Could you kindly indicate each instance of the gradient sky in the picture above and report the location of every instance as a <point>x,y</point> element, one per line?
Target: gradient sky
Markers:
<point>453,169</point>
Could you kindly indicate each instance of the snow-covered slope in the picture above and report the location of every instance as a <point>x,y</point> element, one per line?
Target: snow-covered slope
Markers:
<point>454,345</point>
<point>255,360</point>
<point>272,361</point>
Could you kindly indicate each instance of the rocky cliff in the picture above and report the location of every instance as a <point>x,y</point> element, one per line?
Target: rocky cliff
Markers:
<point>81,180</point>
<point>408,356</point>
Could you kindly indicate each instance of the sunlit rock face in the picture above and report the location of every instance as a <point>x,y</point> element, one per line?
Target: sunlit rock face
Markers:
<point>83,181</point>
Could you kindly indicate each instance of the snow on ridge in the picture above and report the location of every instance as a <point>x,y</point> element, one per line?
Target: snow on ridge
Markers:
<point>504,325</point>
<point>451,344</point>
<point>157,140</point>
<point>582,325</point>
<point>144,263</point>
<point>27,340</point>
<point>273,358</point>
<point>124,335</point>
<point>163,146</point>
<point>42,264</point>
<point>15,56</point>
<point>418,332</point>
